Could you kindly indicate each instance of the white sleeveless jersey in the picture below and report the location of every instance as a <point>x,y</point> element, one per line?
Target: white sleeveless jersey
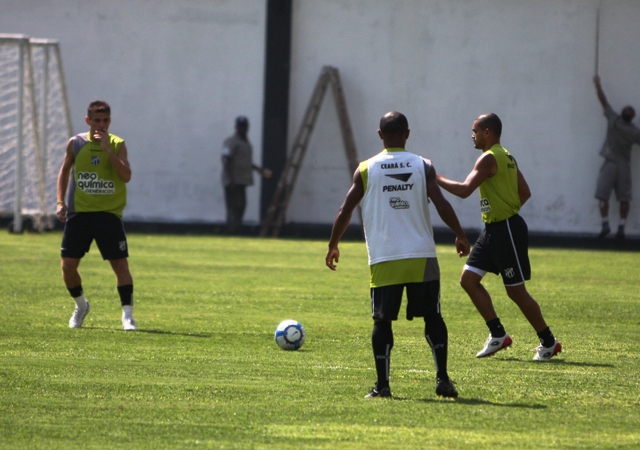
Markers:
<point>395,206</point>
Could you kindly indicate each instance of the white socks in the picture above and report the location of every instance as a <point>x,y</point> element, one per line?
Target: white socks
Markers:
<point>81,302</point>
<point>127,312</point>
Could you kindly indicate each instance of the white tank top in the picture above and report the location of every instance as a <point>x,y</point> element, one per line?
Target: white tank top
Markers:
<point>395,207</point>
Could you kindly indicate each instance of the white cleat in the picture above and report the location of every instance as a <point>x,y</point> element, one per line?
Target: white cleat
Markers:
<point>546,353</point>
<point>78,317</point>
<point>129,324</point>
<point>494,345</point>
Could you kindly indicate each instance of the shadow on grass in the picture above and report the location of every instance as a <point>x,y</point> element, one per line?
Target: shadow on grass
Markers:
<point>556,362</point>
<point>472,402</point>
<point>171,333</point>
<point>198,335</point>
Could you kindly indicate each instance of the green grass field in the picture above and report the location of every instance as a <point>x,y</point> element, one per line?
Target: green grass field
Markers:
<point>204,371</point>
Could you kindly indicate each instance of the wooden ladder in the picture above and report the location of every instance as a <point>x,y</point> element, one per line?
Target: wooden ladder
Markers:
<point>275,214</point>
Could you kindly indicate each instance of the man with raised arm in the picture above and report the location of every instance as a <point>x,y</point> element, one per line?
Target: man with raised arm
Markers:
<point>615,172</point>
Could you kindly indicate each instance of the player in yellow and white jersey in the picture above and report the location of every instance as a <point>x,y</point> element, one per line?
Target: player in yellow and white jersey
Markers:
<point>503,244</point>
<point>92,194</point>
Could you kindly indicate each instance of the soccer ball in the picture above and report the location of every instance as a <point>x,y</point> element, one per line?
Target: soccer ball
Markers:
<point>290,335</point>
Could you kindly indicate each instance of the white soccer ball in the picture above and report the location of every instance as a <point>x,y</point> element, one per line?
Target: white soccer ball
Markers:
<point>290,335</point>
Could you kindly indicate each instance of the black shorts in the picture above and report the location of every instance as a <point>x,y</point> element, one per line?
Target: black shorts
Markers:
<point>103,227</point>
<point>503,248</point>
<point>423,299</point>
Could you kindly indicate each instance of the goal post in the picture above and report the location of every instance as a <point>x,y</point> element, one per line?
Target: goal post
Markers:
<point>34,128</point>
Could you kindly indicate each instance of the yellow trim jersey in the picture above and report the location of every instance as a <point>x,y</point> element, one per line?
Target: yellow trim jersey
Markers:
<point>94,184</point>
<point>499,198</point>
<point>395,212</point>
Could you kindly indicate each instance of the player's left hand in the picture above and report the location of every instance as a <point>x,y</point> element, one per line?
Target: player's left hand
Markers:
<point>332,255</point>
<point>462,246</point>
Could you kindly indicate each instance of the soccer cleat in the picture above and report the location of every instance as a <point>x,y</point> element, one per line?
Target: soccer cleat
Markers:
<point>494,345</point>
<point>384,392</point>
<point>445,388</point>
<point>129,324</point>
<point>605,231</point>
<point>78,317</point>
<point>546,353</point>
<point>620,233</point>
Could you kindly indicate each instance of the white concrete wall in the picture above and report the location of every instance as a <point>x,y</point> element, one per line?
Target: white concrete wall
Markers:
<point>442,63</point>
<point>176,74</point>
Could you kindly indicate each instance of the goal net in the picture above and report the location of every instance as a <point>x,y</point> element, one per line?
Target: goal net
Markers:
<point>34,128</point>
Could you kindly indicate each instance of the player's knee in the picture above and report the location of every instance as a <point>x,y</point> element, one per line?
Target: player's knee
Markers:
<point>120,266</point>
<point>467,283</point>
<point>433,321</point>
<point>519,294</point>
<point>69,266</point>
<point>121,270</point>
<point>382,333</point>
<point>381,324</point>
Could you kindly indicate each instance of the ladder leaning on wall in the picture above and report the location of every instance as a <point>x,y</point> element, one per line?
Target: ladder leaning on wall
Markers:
<point>275,214</point>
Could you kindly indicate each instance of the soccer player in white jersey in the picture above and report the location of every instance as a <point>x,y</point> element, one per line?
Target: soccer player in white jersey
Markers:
<point>394,189</point>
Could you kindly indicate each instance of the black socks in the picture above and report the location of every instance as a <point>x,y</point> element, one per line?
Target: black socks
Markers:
<point>497,331</point>
<point>495,328</point>
<point>546,338</point>
<point>382,343</point>
<point>435,331</point>
<point>126,294</point>
<point>76,291</point>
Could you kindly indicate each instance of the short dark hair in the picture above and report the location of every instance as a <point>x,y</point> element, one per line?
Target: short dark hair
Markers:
<point>492,122</point>
<point>393,123</point>
<point>628,113</point>
<point>99,106</point>
<point>242,121</point>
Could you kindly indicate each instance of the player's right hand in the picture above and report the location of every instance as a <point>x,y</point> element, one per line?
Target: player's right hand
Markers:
<point>61,212</point>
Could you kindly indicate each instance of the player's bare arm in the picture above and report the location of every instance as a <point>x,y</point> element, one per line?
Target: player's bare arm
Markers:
<point>523,189</point>
<point>485,167</point>
<point>600,92</point>
<point>265,173</point>
<point>355,194</point>
<point>63,181</point>
<point>446,213</point>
